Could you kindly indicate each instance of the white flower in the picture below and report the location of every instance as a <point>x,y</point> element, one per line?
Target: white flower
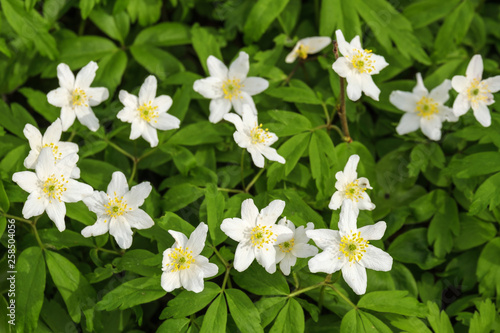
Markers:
<point>255,139</point>
<point>307,46</point>
<point>349,250</point>
<point>424,109</point>
<point>148,112</point>
<point>118,210</point>
<point>297,247</point>
<point>229,87</point>
<point>75,97</point>
<point>358,65</point>
<point>474,92</point>
<point>50,187</point>
<point>257,234</point>
<point>351,188</point>
<point>182,263</point>
<point>49,139</point>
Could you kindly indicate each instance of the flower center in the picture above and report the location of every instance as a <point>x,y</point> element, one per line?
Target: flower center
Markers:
<point>287,246</point>
<point>148,112</point>
<point>259,135</point>
<point>181,259</point>
<point>55,150</point>
<point>302,51</point>
<point>478,92</point>
<point>79,97</point>
<point>54,187</point>
<point>232,89</point>
<point>362,61</point>
<point>426,107</point>
<point>262,234</point>
<point>353,246</point>
<point>116,206</point>
<point>354,192</point>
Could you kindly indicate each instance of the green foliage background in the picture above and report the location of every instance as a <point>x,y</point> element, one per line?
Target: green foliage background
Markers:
<point>440,199</point>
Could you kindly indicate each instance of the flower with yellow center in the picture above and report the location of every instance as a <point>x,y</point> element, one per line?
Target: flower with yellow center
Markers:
<point>475,93</point>
<point>358,65</point>
<point>307,46</point>
<point>75,97</point>
<point>349,250</point>
<point>351,188</point>
<point>258,234</point>
<point>229,88</point>
<point>51,186</point>
<point>254,138</point>
<point>183,266</point>
<point>118,210</point>
<point>423,109</point>
<point>147,113</point>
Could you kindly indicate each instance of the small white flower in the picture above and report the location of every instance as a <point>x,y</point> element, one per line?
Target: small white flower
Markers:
<point>307,46</point>
<point>349,250</point>
<point>228,88</point>
<point>49,139</point>
<point>474,92</point>
<point>351,188</point>
<point>118,210</point>
<point>358,65</point>
<point>424,109</point>
<point>50,186</point>
<point>182,263</point>
<point>75,97</point>
<point>297,247</point>
<point>257,234</point>
<point>255,139</point>
<point>148,112</point>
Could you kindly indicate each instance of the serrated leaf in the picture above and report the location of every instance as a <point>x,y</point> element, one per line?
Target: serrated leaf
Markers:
<point>439,320</point>
<point>488,269</point>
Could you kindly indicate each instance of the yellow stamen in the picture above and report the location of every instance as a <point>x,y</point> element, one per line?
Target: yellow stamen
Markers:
<point>116,206</point>
<point>302,51</point>
<point>478,92</point>
<point>354,192</point>
<point>148,112</point>
<point>287,246</point>
<point>79,97</point>
<point>426,107</point>
<point>232,89</point>
<point>262,235</point>
<point>353,246</point>
<point>362,61</point>
<point>54,187</point>
<point>259,135</point>
<point>55,150</point>
<point>181,259</point>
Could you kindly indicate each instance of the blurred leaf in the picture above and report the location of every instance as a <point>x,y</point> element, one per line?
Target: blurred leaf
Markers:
<point>338,14</point>
<point>115,26</point>
<point>4,199</point>
<point>488,269</point>
<point>79,51</point>
<point>15,118</point>
<point>478,164</point>
<point>215,211</point>
<point>174,325</point>
<point>263,13</point>
<point>299,93</point>
<point>146,12</point>
<point>165,34</point>
<point>205,45</point>
<point>156,61</point>
<point>359,322</point>
<point>65,239</point>
<point>38,101</point>
<point>484,320</point>
<point>424,12</point>
<point>201,132</point>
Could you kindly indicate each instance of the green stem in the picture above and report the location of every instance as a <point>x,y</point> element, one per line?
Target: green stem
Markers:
<point>147,154</point>
<point>306,289</point>
<point>217,253</point>
<point>289,77</point>
<point>226,278</point>
<point>327,115</point>
<point>121,150</point>
<point>109,251</point>
<point>243,168</point>
<point>134,170</point>
<point>72,136</point>
<point>254,180</point>
<point>344,297</point>
<point>341,107</point>
<point>35,231</point>
<point>16,218</point>
<point>230,190</point>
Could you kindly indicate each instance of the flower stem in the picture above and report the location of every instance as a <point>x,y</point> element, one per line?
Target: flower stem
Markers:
<point>35,231</point>
<point>16,218</point>
<point>230,190</point>
<point>243,168</point>
<point>254,180</point>
<point>109,251</point>
<point>121,150</point>
<point>217,253</point>
<point>327,115</point>
<point>226,278</point>
<point>72,136</point>
<point>344,297</point>
<point>289,77</point>
<point>134,170</point>
<point>147,154</point>
<point>341,106</point>
<point>306,289</point>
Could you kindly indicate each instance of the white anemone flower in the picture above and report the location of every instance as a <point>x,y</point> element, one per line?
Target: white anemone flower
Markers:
<point>253,137</point>
<point>148,112</point>
<point>423,109</point>
<point>75,97</point>
<point>358,65</point>
<point>183,266</point>
<point>228,88</point>
<point>118,210</point>
<point>50,139</point>
<point>306,46</point>
<point>51,186</point>
<point>296,247</point>
<point>257,233</point>
<point>348,249</point>
<point>474,92</point>
<point>351,188</point>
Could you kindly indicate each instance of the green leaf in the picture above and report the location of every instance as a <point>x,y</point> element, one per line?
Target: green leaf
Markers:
<point>132,293</point>
<point>444,226</point>
<point>483,320</point>
<point>188,302</point>
<point>478,164</point>
<point>96,173</point>
<point>180,196</point>
<point>473,232</point>
<point>215,212</point>
<point>134,261</point>
<point>410,324</point>
<point>201,132</point>
<point>394,301</point>
<point>439,320</point>
<point>115,26</point>
<point>424,12</point>
<point>72,285</point>
<point>216,317</point>
<point>205,45</point>
<point>174,325</point>
<point>86,7</point>
<point>338,14</point>
<point>146,11</point>
<point>165,34</point>
<point>111,69</point>
<point>156,61</point>
<point>488,269</point>
<point>320,149</point>
<point>263,13</point>
<point>290,123</point>
<point>423,154</point>
<point>38,101</point>
<point>30,283</point>
<point>4,199</point>
<point>65,239</point>
<point>357,321</point>
<point>486,195</point>
<point>243,311</point>
<point>289,16</point>
<point>79,51</point>
<point>15,118</point>
<point>256,280</point>
<point>269,307</point>
<point>79,211</point>
<point>290,319</point>
<point>299,92</point>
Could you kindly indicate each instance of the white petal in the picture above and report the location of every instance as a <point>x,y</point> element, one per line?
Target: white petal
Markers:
<point>45,165</point>
<point>249,211</point>
<point>369,87</point>
<point>67,148</point>
<point>355,276</point>
<point>324,238</point>
<point>475,68</point>
<point>196,241</point>
<point>270,214</point>
<point>138,127</point>
<point>242,140</point>
<point>315,44</point>
<point>97,95</point>
<point>327,261</point>
<point>208,269</point>
<point>150,135</point>
<point>493,83</point>
<point>118,185</point>
<point>137,194</point>
<point>87,117</point>
<point>75,173</point>
<point>239,68</point>
<point>76,191</point>
<point>342,66</point>
<point>33,135</point>
<point>282,233</point>
<point>441,93</point>
<point>180,239</point>
<point>66,77</point>
<point>236,120</point>
<point>127,115</point>
<point>376,259</point>
<point>350,168</point>
<point>33,206</point>
<point>304,250</point>
<point>170,281</point>
<point>139,219</point>
<point>336,200</point>
<point>219,107</point>
<point>59,97</point>
<point>31,159</point>
<point>26,180</point>
<point>121,231</point>
<point>243,257</point>
<point>53,132</point>
<point>272,155</point>
<point>128,100</point>
<point>459,83</point>
<point>86,75</point>
<point>356,43</point>
<point>163,102</point>
<point>147,92</point>
<point>216,68</point>
<point>254,85</point>
<point>166,122</point>
<point>292,56</point>
<point>348,217</point>
<point>420,89</point>
<point>354,87</point>
<point>431,127</point>
<point>344,47</point>
<point>461,105</point>
<point>286,263</point>
<point>257,157</point>
<point>192,279</point>
<point>96,202</point>
<point>365,202</point>
<point>211,87</point>
<point>379,63</point>
<point>56,210</point>
<point>375,231</point>
<point>98,228</point>
<point>234,228</point>
<point>409,122</point>
<point>482,114</point>
<point>405,101</point>
<point>245,99</point>
<point>265,256</point>
<point>67,117</point>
